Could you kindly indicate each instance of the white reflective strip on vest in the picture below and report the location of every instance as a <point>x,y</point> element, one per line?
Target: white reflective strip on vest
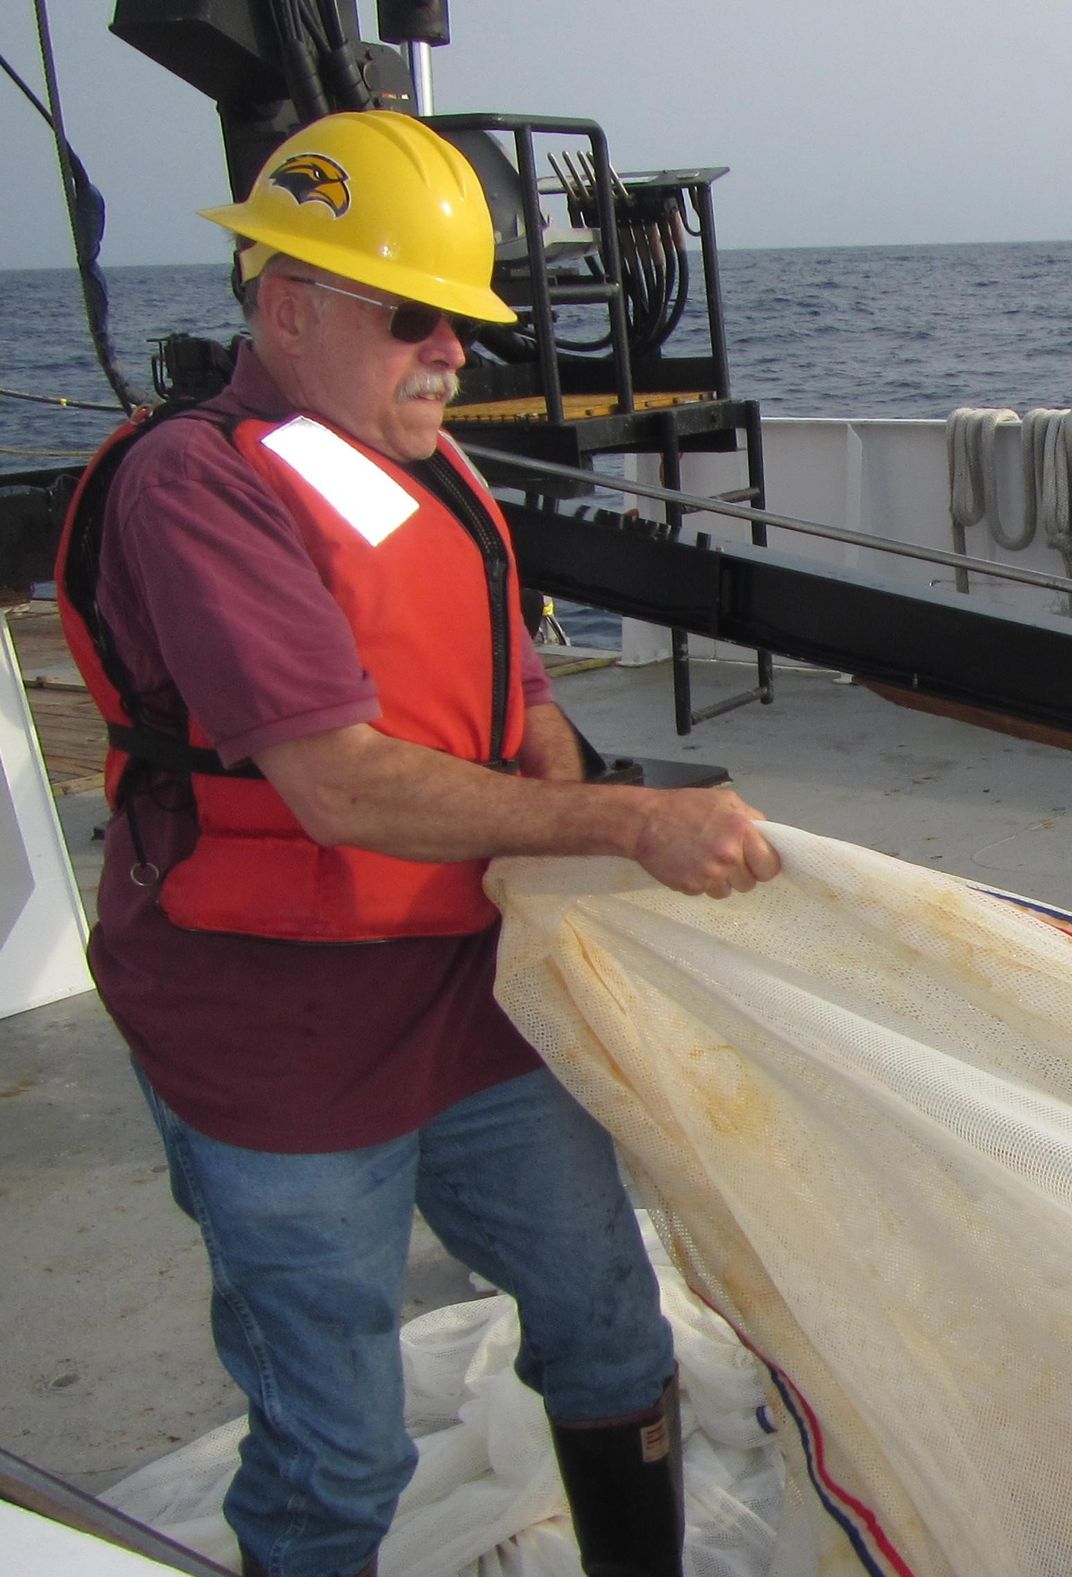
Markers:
<point>352,484</point>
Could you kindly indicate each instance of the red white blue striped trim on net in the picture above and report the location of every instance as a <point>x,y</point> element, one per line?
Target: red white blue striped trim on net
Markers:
<point>1061,919</point>
<point>872,1545</point>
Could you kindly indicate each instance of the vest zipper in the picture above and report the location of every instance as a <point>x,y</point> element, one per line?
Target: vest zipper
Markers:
<point>478,524</point>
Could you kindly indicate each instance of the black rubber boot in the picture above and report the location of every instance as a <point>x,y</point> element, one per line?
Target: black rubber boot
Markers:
<point>622,1478</point>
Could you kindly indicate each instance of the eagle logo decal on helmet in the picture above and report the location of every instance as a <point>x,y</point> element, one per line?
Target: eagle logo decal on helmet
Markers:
<point>313,178</point>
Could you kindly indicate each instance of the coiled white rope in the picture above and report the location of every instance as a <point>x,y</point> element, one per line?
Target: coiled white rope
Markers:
<point>1047,457</point>
<point>970,435</point>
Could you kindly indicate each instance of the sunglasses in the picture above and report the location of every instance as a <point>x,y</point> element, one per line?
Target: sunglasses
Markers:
<point>411,321</point>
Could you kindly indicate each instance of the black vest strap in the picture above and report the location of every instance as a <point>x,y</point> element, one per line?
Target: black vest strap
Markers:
<point>174,755</point>
<point>142,743</point>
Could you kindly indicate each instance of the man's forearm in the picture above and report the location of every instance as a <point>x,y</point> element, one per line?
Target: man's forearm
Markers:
<point>358,786</point>
<point>361,787</point>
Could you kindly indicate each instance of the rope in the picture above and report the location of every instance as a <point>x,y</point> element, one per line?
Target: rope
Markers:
<point>1047,456</point>
<point>970,436</point>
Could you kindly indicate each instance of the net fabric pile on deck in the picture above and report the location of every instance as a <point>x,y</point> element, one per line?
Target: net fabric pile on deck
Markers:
<point>850,1096</point>
<point>486,1500</point>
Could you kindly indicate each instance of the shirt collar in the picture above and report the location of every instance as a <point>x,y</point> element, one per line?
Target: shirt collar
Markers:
<point>253,388</point>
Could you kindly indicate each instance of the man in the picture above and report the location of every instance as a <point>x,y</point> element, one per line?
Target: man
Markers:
<point>312,766</point>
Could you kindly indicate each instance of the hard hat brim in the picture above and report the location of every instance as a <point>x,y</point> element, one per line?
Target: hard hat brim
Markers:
<point>471,301</point>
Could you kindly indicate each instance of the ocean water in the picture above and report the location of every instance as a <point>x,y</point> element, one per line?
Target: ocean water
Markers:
<point>908,331</point>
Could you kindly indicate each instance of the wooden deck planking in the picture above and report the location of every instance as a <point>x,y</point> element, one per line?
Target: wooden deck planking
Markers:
<point>71,730</point>
<point>69,727</point>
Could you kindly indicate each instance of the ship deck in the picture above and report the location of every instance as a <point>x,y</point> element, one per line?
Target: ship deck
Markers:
<point>69,727</point>
<point>103,1322</point>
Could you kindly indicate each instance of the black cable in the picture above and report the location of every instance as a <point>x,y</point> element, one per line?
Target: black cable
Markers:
<point>312,22</point>
<point>632,279</point>
<point>587,347</point>
<point>664,267</point>
<point>649,292</point>
<point>688,228</point>
<point>331,21</point>
<point>286,18</point>
<point>340,64</point>
<point>677,230</point>
<point>57,399</point>
<point>305,88</point>
<point>509,345</point>
<point>85,211</point>
<point>20,84</point>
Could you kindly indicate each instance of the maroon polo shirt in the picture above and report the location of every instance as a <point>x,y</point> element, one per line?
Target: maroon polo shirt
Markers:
<point>210,594</point>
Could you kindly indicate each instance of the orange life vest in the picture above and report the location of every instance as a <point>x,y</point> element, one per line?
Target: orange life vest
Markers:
<point>430,592</point>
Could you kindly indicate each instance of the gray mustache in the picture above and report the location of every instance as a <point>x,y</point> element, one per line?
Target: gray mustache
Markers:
<point>429,385</point>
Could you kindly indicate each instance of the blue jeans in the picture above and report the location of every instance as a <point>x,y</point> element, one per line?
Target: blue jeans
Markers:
<point>308,1255</point>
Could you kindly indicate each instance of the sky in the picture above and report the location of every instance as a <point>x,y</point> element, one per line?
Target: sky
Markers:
<point>843,122</point>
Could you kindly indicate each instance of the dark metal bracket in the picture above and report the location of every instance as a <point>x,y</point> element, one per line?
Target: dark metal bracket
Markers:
<point>922,643</point>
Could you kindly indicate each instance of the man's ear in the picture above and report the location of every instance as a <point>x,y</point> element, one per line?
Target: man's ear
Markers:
<point>284,308</point>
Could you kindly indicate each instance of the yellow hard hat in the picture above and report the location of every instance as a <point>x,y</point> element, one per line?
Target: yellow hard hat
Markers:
<point>381,199</point>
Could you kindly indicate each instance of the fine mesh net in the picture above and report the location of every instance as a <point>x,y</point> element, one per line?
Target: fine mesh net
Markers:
<point>848,1099</point>
<point>848,1096</point>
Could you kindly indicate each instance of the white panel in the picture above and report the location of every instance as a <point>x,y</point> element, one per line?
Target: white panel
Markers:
<point>33,1546</point>
<point>42,923</point>
<point>16,885</point>
<point>881,478</point>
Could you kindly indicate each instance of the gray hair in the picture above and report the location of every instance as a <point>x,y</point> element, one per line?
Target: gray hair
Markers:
<point>250,291</point>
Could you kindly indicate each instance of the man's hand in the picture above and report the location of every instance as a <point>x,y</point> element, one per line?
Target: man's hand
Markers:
<point>705,841</point>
